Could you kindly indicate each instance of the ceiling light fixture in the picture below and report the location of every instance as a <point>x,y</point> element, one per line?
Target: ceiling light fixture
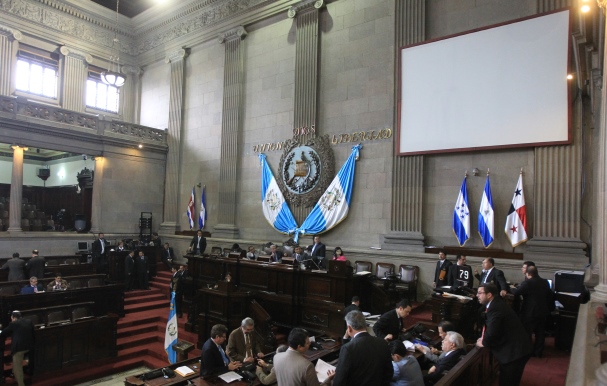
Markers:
<point>112,76</point>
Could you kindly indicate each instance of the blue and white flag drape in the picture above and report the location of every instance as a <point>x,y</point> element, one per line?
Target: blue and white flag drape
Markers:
<point>202,217</point>
<point>461,216</point>
<point>334,204</point>
<point>170,336</point>
<point>485,216</point>
<point>190,210</point>
<point>275,208</point>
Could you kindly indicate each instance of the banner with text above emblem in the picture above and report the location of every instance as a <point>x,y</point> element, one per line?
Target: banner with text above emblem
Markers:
<point>275,208</point>
<point>333,206</point>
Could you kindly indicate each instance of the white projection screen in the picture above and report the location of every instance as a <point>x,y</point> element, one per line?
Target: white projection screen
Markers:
<point>498,87</point>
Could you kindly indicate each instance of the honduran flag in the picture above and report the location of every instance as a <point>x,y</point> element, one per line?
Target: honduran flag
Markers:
<point>333,206</point>
<point>275,208</point>
<point>516,222</point>
<point>485,216</point>
<point>461,216</point>
<point>202,217</point>
<point>170,336</point>
<point>190,211</point>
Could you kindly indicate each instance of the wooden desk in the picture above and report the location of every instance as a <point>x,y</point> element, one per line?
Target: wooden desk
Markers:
<point>463,315</point>
<point>57,265</point>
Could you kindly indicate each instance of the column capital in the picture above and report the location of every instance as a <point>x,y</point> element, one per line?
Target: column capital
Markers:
<point>131,70</point>
<point>15,34</point>
<point>305,5</point>
<point>176,55</point>
<point>235,33</point>
<point>73,52</point>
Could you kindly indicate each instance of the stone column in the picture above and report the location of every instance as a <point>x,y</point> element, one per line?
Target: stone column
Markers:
<point>8,49</point>
<point>231,127</point>
<point>96,200</point>
<point>171,211</point>
<point>75,73</point>
<point>14,219</point>
<point>130,94</point>
<point>407,172</point>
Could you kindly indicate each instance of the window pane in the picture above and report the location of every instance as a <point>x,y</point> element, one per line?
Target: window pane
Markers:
<point>91,92</point>
<point>112,98</point>
<point>50,83</point>
<point>23,74</point>
<point>35,78</point>
<point>101,96</point>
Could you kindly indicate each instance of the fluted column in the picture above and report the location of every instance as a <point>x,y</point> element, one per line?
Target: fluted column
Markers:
<point>231,127</point>
<point>97,204</point>
<point>75,72</point>
<point>306,14</point>
<point>9,44</point>
<point>172,183</point>
<point>130,94</point>
<point>551,5</point>
<point>407,172</point>
<point>14,219</point>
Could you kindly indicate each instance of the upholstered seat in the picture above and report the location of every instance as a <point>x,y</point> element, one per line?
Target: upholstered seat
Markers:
<point>409,275</point>
<point>361,266</point>
<point>382,269</point>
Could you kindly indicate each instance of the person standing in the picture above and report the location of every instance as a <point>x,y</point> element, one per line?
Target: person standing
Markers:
<point>141,270</point>
<point>99,253</point>
<point>318,251</point>
<point>177,283</point>
<point>15,268</point>
<point>365,360</point>
<point>167,256</point>
<point>21,332</point>
<point>492,275</point>
<point>441,271</point>
<point>129,265</point>
<point>460,274</point>
<point>198,244</point>
<point>391,324</point>
<point>35,265</point>
<point>504,335</point>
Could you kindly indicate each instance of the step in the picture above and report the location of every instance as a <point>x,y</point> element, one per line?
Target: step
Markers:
<point>147,306</point>
<point>137,340</point>
<point>150,297</point>
<point>132,331</point>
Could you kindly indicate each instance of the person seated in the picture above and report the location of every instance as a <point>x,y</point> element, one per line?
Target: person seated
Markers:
<point>214,360</point>
<point>58,284</point>
<point>33,287</point>
<point>275,254</point>
<point>121,247</point>
<point>236,248</point>
<point>299,255</point>
<point>431,353</point>
<point>453,349</point>
<point>243,345</point>
<point>338,254</point>
<point>252,253</point>
<point>265,372</point>
<point>406,368</point>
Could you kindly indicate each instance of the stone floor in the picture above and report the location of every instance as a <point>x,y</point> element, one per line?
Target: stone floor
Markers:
<point>115,379</point>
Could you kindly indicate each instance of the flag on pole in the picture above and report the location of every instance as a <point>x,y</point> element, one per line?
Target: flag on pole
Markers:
<point>202,217</point>
<point>334,204</point>
<point>275,208</point>
<point>461,216</point>
<point>485,216</point>
<point>170,336</point>
<point>190,211</point>
<point>516,222</point>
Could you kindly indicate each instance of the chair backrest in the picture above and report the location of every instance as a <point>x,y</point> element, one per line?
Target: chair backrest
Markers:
<point>75,284</point>
<point>360,266</point>
<point>383,268</point>
<point>216,251</point>
<point>70,261</point>
<point>288,250</point>
<point>408,273</point>
<point>264,258</point>
<point>34,318</point>
<point>80,313</point>
<point>8,290</point>
<point>55,316</point>
<point>52,262</point>
<point>94,282</point>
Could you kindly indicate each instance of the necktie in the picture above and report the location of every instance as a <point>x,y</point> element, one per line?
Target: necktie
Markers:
<point>249,351</point>
<point>224,356</point>
<point>484,276</point>
<point>35,288</point>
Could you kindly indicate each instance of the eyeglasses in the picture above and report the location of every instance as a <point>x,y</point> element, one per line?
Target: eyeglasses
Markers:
<point>480,293</point>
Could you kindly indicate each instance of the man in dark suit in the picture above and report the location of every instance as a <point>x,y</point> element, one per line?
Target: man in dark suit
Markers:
<point>243,345</point>
<point>354,306</point>
<point>318,251</point>
<point>460,274</point>
<point>538,302</point>
<point>21,332</point>
<point>35,265</point>
<point>167,256</point>
<point>453,349</point>
<point>99,253</point>
<point>141,270</point>
<point>15,268</point>
<point>492,275</point>
<point>33,287</point>
<point>504,335</point>
<point>441,271</point>
<point>275,254</point>
<point>365,360</point>
<point>391,324</point>
<point>214,359</point>
<point>129,264</point>
<point>177,283</point>
<point>198,244</point>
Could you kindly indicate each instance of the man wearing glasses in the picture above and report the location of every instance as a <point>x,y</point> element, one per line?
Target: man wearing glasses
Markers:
<point>214,359</point>
<point>242,343</point>
<point>504,335</point>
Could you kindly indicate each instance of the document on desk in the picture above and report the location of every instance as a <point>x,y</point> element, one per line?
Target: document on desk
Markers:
<point>184,371</point>
<point>321,370</point>
<point>230,376</point>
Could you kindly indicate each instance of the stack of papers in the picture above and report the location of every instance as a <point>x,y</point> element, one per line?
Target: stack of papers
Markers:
<point>409,345</point>
<point>322,368</point>
<point>230,376</point>
<point>184,371</point>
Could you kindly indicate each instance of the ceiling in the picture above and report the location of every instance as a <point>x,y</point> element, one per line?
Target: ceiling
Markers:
<point>128,8</point>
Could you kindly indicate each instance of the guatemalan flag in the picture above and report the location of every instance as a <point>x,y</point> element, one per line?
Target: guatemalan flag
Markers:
<point>485,216</point>
<point>461,216</point>
<point>275,208</point>
<point>202,217</point>
<point>516,222</point>
<point>190,211</point>
<point>333,205</point>
<point>170,336</point>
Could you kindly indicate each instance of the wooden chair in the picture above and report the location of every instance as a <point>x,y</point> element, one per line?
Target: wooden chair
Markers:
<point>382,269</point>
<point>409,275</point>
<point>360,266</point>
<point>55,317</point>
<point>215,251</point>
<point>8,290</point>
<point>93,283</point>
<point>75,284</point>
<point>34,318</point>
<point>80,313</point>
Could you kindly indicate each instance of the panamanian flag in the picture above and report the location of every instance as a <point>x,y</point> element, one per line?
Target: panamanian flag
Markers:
<point>190,211</point>
<point>516,222</point>
<point>485,216</point>
<point>275,208</point>
<point>202,217</point>
<point>461,216</point>
<point>333,206</point>
<point>170,336</point>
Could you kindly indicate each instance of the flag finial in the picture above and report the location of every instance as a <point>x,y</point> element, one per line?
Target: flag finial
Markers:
<point>487,171</point>
<point>521,171</point>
